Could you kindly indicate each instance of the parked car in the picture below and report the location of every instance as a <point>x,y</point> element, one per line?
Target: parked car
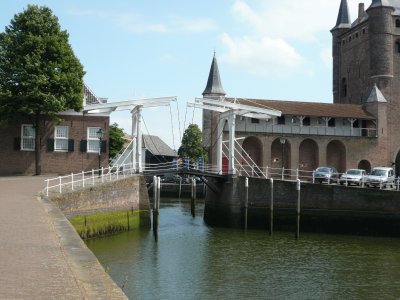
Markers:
<point>381,175</point>
<point>326,174</point>
<point>353,176</point>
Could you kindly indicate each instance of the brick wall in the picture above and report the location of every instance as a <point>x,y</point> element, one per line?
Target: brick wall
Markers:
<point>14,161</point>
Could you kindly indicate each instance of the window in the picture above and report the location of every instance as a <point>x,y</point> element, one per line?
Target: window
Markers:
<point>28,138</point>
<point>332,122</point>
<point>92,140</point>
<point>344,87</point>
<point>61,138</point>
<point>398,46</point>
<point>255,121</point>
<point>281,120</point>
<point>397,23</point>
<point>356,35</point>
<point>306,121</point>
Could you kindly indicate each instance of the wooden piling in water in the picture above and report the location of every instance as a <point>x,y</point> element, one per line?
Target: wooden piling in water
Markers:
<point>155,207</point>
<point>193,198</point>
<point>298,188</point>
<point>271,209</point>
<point>246,202</point>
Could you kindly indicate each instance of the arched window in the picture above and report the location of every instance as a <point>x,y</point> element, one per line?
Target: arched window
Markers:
<point>397,23</point>
<point>398,46</point>
<point>344,87</point>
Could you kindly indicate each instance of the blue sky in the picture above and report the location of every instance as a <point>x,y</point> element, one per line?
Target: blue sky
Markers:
<point>141,49</point>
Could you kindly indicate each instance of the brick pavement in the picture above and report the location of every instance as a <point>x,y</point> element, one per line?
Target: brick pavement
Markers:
<point>41,256</point>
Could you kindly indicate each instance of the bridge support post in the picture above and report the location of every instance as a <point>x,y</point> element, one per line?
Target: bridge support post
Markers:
<point>232,125</point>
<point>220,130</point>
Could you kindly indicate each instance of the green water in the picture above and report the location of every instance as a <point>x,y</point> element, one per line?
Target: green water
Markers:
<point>192,261</point>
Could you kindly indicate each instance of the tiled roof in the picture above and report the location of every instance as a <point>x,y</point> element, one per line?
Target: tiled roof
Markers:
<point>157,146</point>
<point>311,109</point>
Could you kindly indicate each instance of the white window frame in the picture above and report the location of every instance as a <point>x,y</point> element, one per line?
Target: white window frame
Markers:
<point>27,138</point>
<point>65,138</point>
<point>92,140</point>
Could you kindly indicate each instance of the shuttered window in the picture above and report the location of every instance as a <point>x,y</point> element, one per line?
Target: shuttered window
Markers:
<point>92,140</point>
<point>27,137</point>
<point>61,138</point>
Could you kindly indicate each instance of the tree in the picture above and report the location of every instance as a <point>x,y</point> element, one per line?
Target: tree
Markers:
<point>39,73</point>
<point>117,140</point>
<point>192,144</point>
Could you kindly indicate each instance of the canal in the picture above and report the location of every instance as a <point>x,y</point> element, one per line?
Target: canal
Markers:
<point>193,261</point>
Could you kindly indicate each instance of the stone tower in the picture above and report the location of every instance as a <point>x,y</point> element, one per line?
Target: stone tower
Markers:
<point>366,59</point>
<point>214,91</point>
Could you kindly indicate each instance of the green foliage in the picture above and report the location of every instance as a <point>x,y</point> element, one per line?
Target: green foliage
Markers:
<point>117,140</point>
<point>39,73</point>
<point>106,223</point>
<point>192,144</point>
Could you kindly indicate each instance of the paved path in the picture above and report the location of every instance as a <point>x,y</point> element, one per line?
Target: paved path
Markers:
<point>41,257</point>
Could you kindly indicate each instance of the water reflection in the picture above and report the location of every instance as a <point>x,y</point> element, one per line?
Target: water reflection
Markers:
<point>192,261</point>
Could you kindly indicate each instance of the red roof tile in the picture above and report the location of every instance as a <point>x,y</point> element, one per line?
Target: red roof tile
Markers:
<point>312,109</point>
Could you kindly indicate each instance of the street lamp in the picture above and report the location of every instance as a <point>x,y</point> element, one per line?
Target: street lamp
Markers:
<point>283,142</point>
<point>100,135</point>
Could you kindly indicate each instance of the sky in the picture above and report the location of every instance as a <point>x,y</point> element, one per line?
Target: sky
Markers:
<point>133,49</point>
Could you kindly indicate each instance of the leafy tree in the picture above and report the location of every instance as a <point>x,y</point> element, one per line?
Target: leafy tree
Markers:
<point>117,140</point>
<point>192,144</point>
<point>39,73</point>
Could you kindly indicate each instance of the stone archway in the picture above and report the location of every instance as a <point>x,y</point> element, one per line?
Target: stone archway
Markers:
<point>253,147</point>
<point>308,156</point>
<point>336,155</point>
<point>281,154</point>
<point>365,165</point>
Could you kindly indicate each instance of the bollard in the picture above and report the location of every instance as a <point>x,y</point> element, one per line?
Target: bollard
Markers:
<point>83,179</point>
<point>363,181</point>
<point>266,172</point>
<point>380,183</point>
<point>297,173</point>
<point>72,181</point>
<point>60,184</point>
<point>313,177</point>
<point>271,209</point>
<point>298,187</point>
<point>246,201</point>
<point>283,173</point>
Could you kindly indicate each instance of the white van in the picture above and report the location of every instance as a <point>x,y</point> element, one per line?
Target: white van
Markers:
<point>381,176</point>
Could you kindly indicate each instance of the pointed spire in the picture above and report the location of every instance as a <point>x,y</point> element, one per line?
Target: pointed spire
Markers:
<point>376,95</point>
<point>343,19</point>
<point>214,86</point>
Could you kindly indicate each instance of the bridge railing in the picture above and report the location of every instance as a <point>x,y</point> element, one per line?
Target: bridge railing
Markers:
<point>75,181</point>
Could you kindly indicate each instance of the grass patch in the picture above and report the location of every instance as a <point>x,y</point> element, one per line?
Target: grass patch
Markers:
<point>106,223</point>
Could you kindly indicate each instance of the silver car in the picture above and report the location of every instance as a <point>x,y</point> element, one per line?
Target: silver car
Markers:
<point>381,176</point>
<point>353,176</point>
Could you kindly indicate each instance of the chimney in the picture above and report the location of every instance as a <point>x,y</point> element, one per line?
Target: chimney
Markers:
<point>361,11</point>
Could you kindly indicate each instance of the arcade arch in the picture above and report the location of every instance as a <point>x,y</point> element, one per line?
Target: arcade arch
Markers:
<point>336,155</point>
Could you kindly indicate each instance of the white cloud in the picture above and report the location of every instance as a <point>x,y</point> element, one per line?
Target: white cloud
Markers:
<point>273,28</point>
<point>300,20</point>
<point>326,57</point>
<point>135,23</point>
<point>261,56</point>
<point>193,24</point>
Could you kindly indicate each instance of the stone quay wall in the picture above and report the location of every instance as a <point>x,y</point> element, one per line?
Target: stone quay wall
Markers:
<point>125,194</point>
<point>324,208</point>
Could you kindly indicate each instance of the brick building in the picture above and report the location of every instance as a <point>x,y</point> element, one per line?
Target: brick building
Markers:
<point>66,147</point>
<point>360,129</point>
